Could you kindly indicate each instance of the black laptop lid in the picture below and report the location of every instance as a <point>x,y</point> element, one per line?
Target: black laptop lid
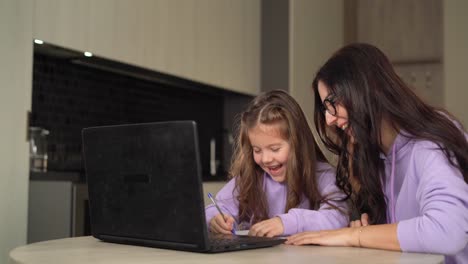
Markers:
<point>144,183</point>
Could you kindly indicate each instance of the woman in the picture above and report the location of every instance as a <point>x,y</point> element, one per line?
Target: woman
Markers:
<point>402,162</point>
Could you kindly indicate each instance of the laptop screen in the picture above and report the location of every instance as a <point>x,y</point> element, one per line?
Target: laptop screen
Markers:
<point>144,182</point>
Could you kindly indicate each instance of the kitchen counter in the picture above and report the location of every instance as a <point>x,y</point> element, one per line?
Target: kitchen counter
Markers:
<point>73,176</point>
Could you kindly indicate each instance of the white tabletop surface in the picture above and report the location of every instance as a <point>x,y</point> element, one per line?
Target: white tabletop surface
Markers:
<point>90,250</point>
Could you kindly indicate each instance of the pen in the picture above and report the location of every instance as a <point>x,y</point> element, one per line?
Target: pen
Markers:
<point>219,209</point>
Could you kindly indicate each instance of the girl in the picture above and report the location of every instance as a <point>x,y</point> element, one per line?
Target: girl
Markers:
<point>278,188</point>
<point>403,162</point>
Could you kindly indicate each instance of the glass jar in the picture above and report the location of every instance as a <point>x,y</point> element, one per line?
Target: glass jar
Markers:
<point>38,149</point>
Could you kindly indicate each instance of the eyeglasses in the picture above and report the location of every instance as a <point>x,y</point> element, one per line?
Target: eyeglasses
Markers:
<point>328,105</point>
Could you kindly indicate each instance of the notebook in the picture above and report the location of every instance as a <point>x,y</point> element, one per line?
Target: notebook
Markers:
<point>145,188</point>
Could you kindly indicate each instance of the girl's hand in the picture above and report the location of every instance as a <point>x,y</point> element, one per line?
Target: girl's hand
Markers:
<point>363,222</point>
<point>222,226</point>
<point>268,228</point>
<point>337,237</point>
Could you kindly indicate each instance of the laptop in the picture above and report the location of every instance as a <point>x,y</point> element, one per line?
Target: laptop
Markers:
<point>145,188</point>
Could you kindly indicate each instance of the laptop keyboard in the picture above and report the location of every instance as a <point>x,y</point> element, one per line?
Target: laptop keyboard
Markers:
<point>220,242</point>
<point>234,240</point>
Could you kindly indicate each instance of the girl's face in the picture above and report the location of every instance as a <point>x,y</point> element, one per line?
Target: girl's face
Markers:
<point>270,150</point>
<point>336,114</point>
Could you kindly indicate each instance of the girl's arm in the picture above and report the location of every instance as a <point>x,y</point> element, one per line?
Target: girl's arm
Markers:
<point>226,202</point>
<point>300,220</point>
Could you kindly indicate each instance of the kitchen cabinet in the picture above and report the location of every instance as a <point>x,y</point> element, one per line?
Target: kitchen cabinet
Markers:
<point>49,210</point>
<point>211,41</point>
<point>64,22</point>
<point>409,32</point>
<point>425,79</point>
<point>406,30</point>
<point>58,205</point>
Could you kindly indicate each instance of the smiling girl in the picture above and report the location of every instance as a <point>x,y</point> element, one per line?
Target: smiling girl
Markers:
<point>280,182</point>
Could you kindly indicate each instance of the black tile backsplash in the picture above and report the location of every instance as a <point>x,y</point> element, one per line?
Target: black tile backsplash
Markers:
<point>69,96</point>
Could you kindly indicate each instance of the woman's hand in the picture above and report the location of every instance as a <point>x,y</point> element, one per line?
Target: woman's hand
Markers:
<point>222,226</point>
<point>337,237</point>
<point>268,228</point>
<point>363,222</point>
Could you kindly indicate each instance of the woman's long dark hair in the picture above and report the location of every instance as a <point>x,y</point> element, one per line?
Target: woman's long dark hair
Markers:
<point>364,82</point>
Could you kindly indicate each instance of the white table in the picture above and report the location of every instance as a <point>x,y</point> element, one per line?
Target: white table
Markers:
<point>90,250</point>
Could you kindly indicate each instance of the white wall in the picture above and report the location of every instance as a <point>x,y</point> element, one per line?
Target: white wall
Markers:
<point>316,31</point>
<point>15,99</point>
<point>456,58</point>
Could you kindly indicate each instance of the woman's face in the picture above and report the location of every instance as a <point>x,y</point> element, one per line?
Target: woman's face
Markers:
<point>339,117</point>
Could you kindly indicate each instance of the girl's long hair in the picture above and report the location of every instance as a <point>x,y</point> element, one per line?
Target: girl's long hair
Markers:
<point>364,82</point>
<point>279,109</point>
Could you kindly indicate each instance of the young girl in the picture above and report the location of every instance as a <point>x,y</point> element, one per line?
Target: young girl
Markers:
<point>403,162</point>
<point>278,187</point>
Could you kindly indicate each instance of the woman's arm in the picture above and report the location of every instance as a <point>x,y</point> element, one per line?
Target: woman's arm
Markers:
<point>442,194</point>
<point>373,236</point>
<point>440,228</point>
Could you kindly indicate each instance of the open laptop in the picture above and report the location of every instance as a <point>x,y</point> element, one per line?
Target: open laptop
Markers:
<point>145,188</point>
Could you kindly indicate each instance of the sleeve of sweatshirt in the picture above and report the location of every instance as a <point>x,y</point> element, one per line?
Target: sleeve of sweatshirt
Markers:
<point>442,226</point>
<point>299,220</point>
<point>226,201</point>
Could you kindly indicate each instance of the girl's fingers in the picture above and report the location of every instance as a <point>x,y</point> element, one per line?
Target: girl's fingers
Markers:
<point>254,230</point>
<point>229,222</point>
<point>225,223</point>
<point>259,229</point>
<point>219,225</point>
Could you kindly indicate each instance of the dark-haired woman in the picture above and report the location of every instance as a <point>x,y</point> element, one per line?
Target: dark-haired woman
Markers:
<point>402,162</point>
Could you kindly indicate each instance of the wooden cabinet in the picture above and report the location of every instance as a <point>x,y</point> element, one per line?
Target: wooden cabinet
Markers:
<point>409,32</point>
<point>406,30</point>
<point>63,23</point>
<point>120,30</point>
<point>211,41</point>
<point>425,79</point>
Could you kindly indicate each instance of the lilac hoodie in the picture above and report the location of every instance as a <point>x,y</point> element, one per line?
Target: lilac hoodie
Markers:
<point>430,200</point>
<point>297,219</point>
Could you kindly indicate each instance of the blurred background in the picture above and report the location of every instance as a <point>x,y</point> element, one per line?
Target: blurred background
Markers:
<point>157,54</point>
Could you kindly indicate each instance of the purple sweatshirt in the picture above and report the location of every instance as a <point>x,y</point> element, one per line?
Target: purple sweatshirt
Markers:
<point>430,200</point>
<point>297,219</point>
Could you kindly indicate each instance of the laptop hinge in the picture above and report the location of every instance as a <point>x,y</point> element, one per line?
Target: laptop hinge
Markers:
<point>142,241</point>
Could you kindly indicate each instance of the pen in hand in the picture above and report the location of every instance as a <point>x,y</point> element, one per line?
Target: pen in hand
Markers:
<point>219,209</point>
